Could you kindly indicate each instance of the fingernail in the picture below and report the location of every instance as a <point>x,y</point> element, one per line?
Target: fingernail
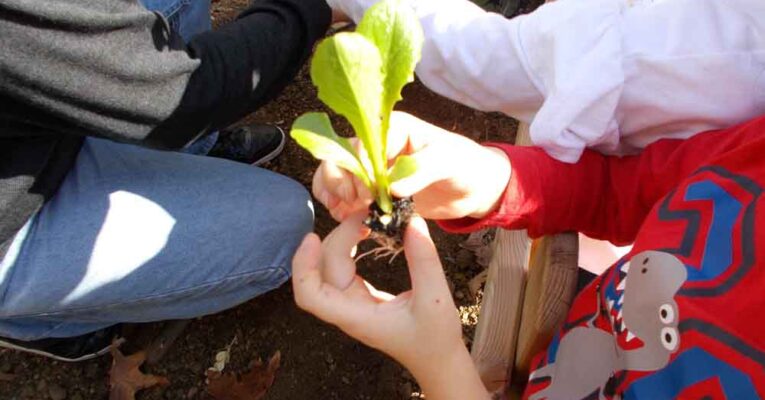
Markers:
<point>364,230</point>
<point>418,226</point>
<point>418,223</point>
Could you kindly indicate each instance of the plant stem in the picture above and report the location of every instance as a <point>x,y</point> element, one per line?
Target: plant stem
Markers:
<point>383,192</point>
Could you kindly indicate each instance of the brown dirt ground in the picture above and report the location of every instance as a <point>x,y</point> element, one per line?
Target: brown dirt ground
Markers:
<point>318,361</point>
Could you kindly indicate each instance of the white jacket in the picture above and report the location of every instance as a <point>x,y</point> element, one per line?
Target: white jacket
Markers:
<point>614,75</point>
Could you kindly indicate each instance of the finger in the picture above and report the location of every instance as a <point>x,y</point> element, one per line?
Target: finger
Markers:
<point>342,210</point>
<point>350,310</point>
<point>306,276</point>
<point>335,181</point>
<point>425,268</point>
<point>347,189</point>
<point>363,193</point>
<point>408,134</point>
<point>320,191</point>
<point>317,297</point>
<point>433,166</point>
<point>353,311</point>
<point>339,213</point>
<point>338,266</point>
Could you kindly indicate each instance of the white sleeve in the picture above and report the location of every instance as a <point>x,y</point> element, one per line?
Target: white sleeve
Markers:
<point>562,63</point>
<point>574,50</point>
<point>470,56</point>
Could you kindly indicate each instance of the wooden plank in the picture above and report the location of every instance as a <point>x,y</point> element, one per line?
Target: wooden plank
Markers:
<point>494,345</point>
<point>495,338</point>
<point>550,289</point>
<point>527,296</point>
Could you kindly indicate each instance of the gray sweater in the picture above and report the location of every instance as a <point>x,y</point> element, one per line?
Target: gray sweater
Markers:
<point>110,68</point>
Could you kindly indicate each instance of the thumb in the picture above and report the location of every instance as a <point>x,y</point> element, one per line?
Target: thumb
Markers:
<point>431,168</point>
<point>425,268</point>
<point>306,277</point>
<point>339,268</point>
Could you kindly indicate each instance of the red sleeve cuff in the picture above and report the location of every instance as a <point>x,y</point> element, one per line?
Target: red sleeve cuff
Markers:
<point>517,203</point>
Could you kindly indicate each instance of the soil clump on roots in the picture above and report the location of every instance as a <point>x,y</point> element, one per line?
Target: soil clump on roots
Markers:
<point>388,229</point>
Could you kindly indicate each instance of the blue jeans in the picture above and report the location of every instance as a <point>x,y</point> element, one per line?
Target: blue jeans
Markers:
<point>136,235</point>
<point>187,17</point>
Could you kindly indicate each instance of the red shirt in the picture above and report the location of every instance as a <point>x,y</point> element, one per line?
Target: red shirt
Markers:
<point>678,317</point>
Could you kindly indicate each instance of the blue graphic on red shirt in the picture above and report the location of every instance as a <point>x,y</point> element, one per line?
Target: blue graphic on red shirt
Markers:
<point>715,218</point>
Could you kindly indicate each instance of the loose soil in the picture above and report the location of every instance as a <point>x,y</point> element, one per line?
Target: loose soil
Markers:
<point>318,361</point>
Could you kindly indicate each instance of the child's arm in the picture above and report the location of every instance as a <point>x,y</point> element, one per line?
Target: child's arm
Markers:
<point>589,72</point>
<point>471,56</point>
<point>455,378</point>
<point>419,328</point>
<point>467,186</point>
<point>607,197</point>
<point>532,64</point>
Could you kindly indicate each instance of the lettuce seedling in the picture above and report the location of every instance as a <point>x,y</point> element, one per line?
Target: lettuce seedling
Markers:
<point>360,75</point>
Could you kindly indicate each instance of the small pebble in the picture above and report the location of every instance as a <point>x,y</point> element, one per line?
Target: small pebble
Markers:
<point>346,380</point>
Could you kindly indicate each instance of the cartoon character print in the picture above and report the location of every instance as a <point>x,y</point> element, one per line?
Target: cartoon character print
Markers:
<point>642,307</point>
<point>639,300</point>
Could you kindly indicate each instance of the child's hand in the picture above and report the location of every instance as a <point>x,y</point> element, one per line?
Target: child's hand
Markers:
<point>419,328</point>
<point>456,177</point>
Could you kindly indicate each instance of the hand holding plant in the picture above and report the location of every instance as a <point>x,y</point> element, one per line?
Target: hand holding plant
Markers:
<point>456,177</point>
<point>360,76</point>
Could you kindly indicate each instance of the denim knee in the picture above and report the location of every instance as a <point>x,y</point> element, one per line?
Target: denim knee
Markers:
<point>297,213</point>
<point>288,211</point>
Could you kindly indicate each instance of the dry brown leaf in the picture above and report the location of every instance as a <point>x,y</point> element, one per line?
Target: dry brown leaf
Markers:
<point>252,385</point>
<point>483,255</point>
<point>479,243</point>
<point>126,378</point>
<point>475,240</point>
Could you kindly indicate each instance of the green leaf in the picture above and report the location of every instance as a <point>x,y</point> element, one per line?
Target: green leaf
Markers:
<point>313,131</point>
<point>404,167</point>
<point>394,28</point>
<point>360,76</point>
<point>346,70</point>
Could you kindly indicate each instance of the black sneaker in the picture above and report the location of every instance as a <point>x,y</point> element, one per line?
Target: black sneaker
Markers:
<point>252,144</point>
<point>74,349</point>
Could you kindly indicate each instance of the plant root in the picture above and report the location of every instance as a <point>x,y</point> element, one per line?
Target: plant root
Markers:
<point>387,248</point>
<point>388,229</point>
